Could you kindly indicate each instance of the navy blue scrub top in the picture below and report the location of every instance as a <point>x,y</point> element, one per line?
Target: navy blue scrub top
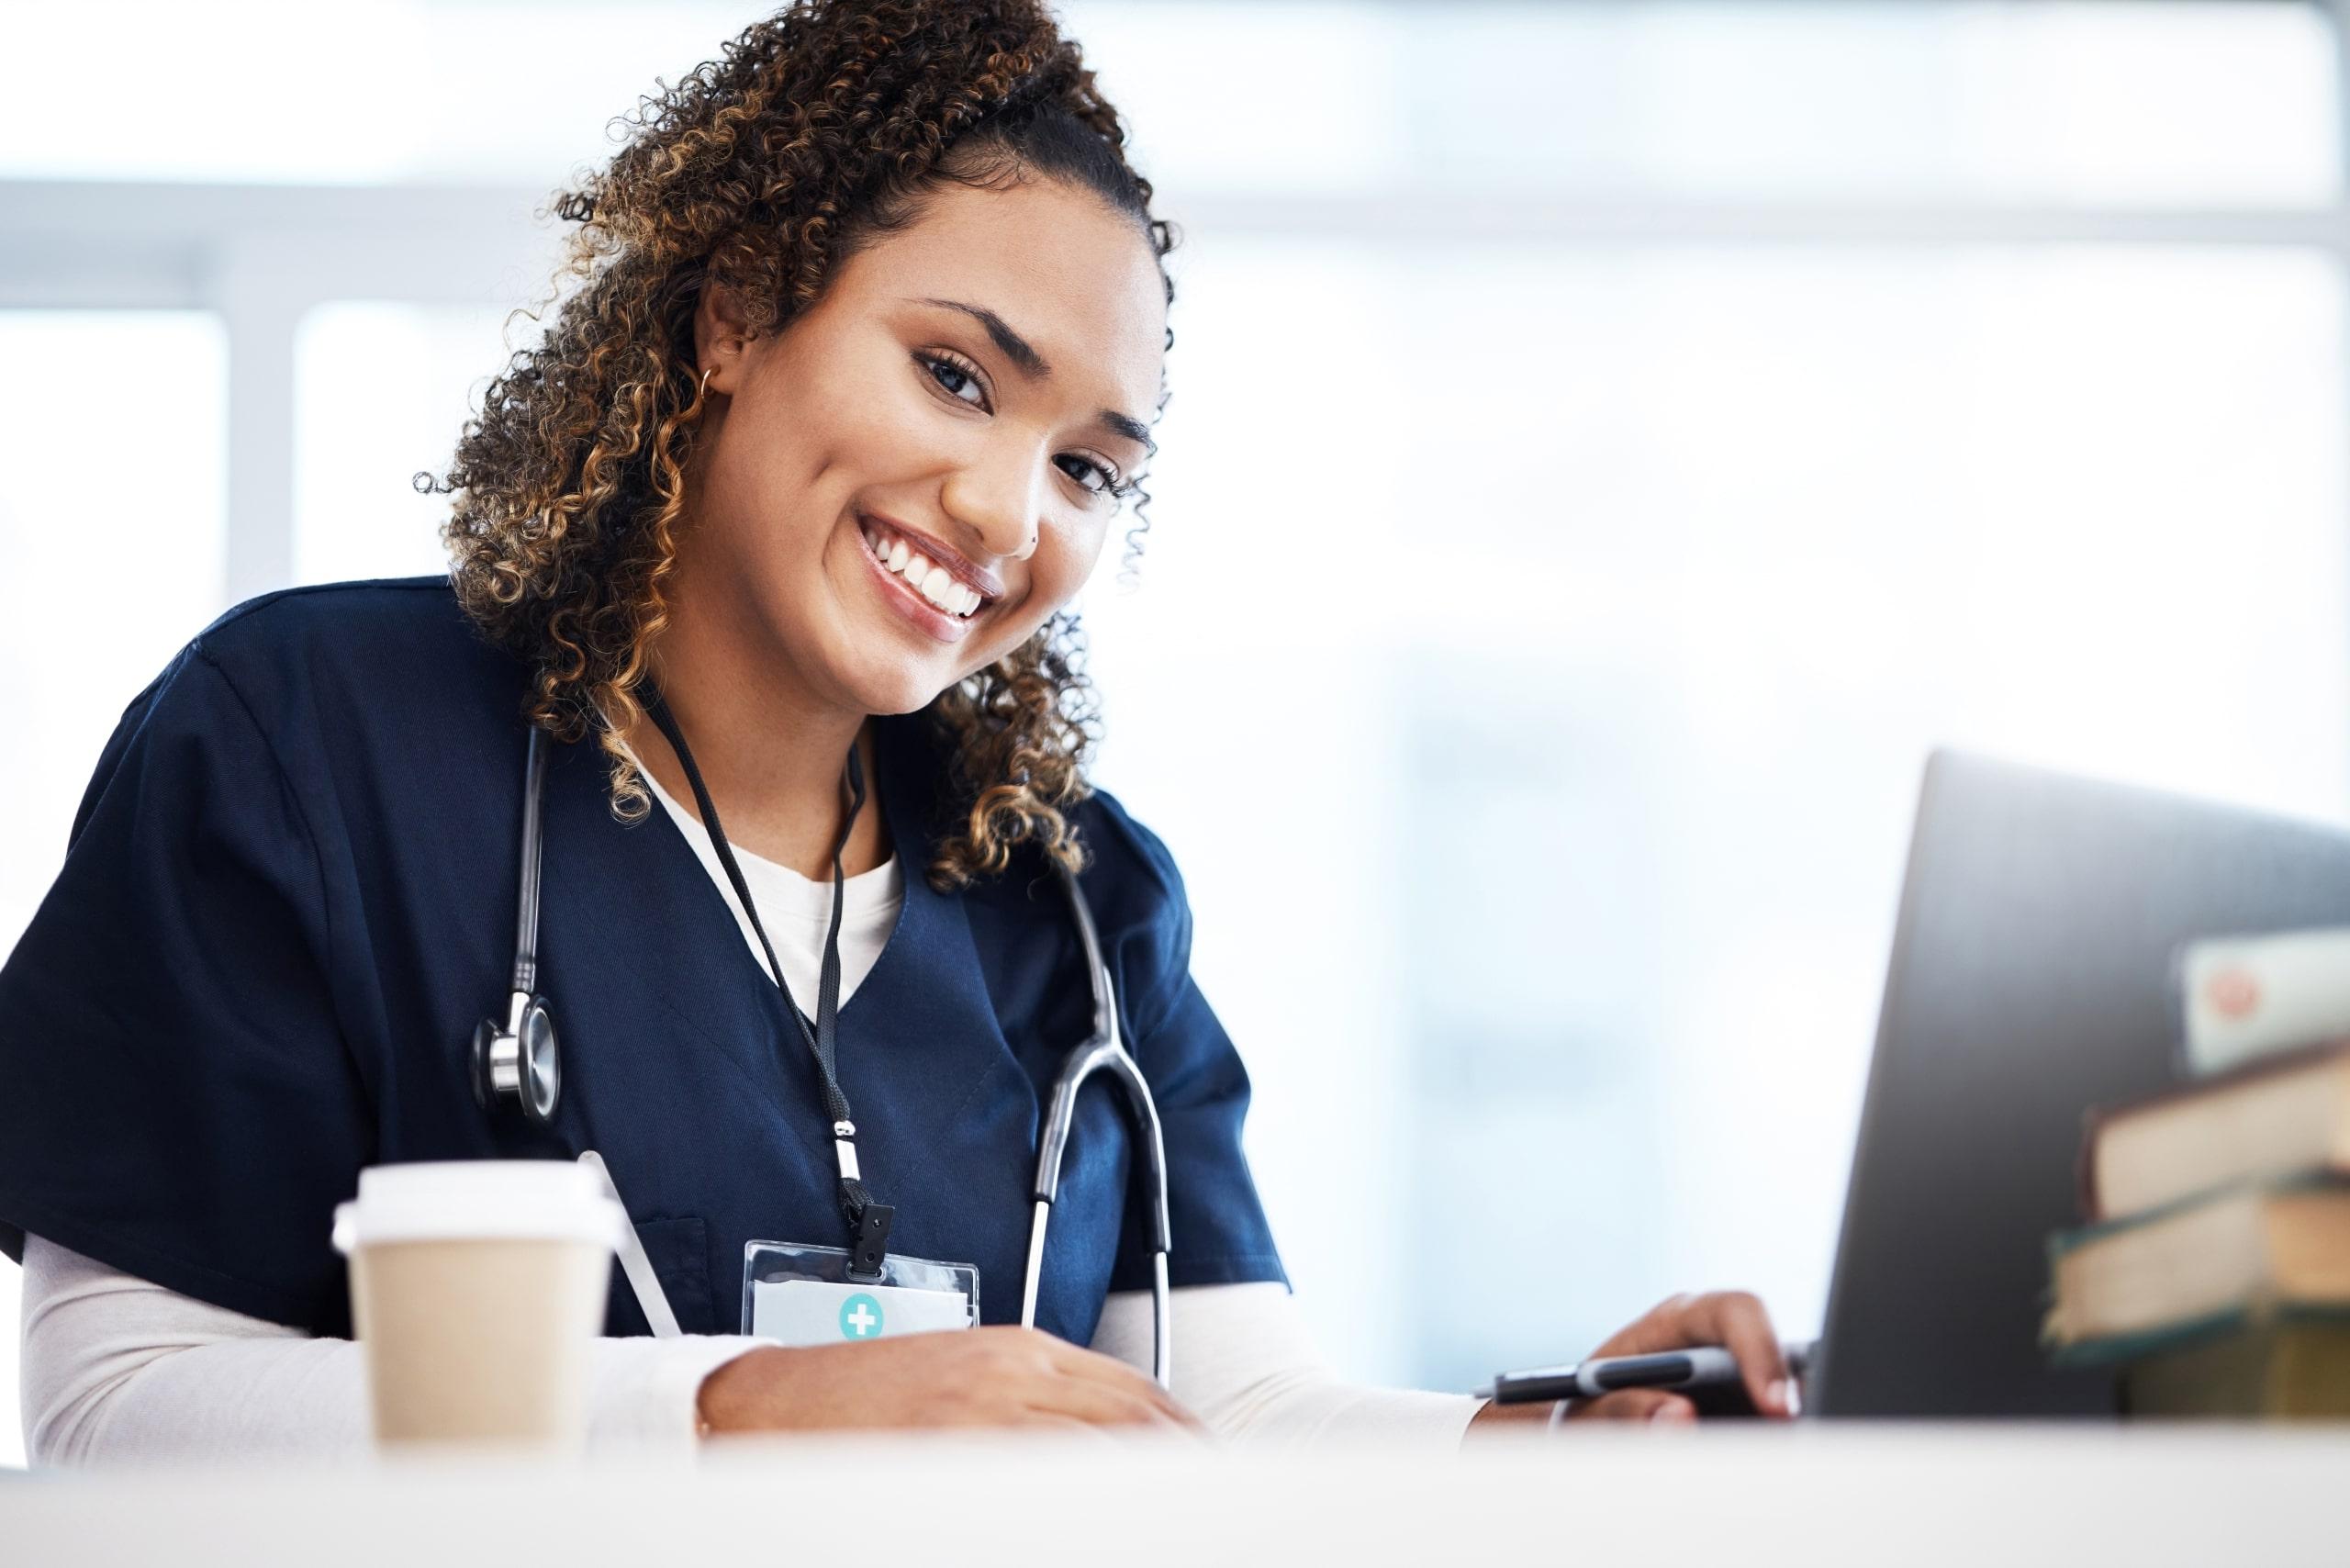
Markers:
<point>290,896</point>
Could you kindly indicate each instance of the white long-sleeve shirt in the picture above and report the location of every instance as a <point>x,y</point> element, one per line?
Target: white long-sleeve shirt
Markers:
<point>117,1369</point>
<point>120,1370</point>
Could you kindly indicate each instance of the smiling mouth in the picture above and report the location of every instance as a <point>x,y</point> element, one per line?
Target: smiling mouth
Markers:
<point>938,586</point>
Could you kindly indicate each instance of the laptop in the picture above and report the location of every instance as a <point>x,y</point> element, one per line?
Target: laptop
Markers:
<point>2030,979</point>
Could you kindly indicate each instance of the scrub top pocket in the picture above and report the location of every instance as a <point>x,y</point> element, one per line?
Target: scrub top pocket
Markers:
<point>679,1251</point>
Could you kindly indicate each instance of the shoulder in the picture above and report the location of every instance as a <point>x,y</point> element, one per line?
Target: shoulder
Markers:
<point>1124,854</point>
<point>328,679</point>
<point>1135,892</point>
<point>346,657</point>
<point>1128,865</point>
<point>1133,888</point>
<point>403,625</point>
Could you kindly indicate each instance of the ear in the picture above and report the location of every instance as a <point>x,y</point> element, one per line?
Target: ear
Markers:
<point>722,336</point>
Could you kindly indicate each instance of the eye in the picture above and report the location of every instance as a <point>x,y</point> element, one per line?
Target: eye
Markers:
<point>1109,476</point>
<point>950,373</point>
<point>946,370</point>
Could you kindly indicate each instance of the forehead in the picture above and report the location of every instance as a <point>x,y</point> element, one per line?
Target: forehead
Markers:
<point>1076,278</point>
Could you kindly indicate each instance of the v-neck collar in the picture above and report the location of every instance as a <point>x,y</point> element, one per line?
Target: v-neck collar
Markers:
<point>863,893</point>
<point>899,776</point>
<point>905,783</point>
<point>682,1055</point>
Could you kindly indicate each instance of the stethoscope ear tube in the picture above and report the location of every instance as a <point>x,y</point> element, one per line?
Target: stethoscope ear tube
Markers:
<point>1103,1051</point>
<point>519,1062</point>
<point>526,905</point>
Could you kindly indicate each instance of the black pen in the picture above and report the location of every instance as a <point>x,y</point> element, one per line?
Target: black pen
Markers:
<point>1697,1366</point>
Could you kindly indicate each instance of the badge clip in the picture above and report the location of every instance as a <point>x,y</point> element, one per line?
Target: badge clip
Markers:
<point>871,1247</point>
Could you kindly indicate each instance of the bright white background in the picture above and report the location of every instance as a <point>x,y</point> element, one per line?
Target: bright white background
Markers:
<point>1611,443</point>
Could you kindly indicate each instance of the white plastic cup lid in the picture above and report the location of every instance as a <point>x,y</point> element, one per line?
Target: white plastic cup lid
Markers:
<point>471,1200</point>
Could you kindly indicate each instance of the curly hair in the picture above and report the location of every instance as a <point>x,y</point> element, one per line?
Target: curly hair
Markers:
<point>815,134</point>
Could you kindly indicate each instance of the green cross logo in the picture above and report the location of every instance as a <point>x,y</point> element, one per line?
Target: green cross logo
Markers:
<point>860,1317</point>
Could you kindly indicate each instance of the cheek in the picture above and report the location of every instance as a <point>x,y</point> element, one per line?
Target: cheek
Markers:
<point>791,447</point>
<point>1064,560</point>
<point>870,407</point>
<point>1055,572</point>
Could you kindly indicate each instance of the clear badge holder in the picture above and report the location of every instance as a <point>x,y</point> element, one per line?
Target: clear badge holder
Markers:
<point>799,1295</point>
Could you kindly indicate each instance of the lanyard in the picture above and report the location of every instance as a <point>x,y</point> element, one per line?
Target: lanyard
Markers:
<point>868,1222</point>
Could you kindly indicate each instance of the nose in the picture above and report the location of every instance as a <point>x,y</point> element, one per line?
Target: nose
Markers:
<point>998,496</point>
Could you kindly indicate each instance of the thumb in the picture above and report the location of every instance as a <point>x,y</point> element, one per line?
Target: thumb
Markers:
<point>1634,1405</point>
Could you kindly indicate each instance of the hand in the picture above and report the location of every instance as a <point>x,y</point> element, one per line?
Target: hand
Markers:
<point>1734,1319</point>
<point>977,1377</point>
<point>1731,1318</point>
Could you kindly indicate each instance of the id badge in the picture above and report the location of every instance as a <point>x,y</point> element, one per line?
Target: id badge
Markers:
<point>799,1295</point>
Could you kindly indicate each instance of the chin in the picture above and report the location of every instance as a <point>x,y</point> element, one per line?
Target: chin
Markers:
<point>902,693</point>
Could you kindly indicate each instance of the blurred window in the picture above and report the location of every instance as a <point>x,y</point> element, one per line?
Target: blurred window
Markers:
<point>2190,101</point>
<point>1583,607</point>
<point>381,391</point>
<point>114,435</point>
<point>1579,703</point>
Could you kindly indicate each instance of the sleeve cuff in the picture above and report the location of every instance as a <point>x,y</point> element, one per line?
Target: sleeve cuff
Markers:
<point>646,1392</point>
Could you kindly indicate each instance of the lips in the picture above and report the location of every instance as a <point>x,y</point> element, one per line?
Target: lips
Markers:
<point>909,601</point>
<point>934,580</point>
<point>936,552</point>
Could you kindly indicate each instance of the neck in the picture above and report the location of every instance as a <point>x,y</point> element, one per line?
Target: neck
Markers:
<point>772,754</point>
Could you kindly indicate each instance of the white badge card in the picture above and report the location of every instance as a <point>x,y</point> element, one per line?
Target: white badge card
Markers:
<point>798,1294</point>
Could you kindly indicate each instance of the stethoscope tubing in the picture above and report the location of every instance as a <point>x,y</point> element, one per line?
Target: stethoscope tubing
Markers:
<point>1103,1051</point>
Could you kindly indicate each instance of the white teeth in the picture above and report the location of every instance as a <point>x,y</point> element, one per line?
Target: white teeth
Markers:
<point>934,583</point>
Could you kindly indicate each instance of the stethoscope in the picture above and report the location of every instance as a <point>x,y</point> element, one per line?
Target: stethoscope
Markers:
<point>517,1064</point>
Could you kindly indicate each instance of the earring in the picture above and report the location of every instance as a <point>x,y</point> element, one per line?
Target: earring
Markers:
<point>703,391</point>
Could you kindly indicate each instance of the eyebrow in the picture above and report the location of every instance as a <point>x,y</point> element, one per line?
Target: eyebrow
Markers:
<point>1025,357</point>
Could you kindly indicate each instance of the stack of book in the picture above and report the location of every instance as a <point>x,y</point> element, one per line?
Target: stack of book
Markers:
<point>2214,1273</point>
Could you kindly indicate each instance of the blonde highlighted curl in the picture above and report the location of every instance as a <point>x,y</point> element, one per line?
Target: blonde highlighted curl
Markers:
<point>816,133</point>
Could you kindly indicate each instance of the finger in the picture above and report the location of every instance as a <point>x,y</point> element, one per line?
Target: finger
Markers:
<point>1098,1404</point>
<point>1047,1423</point>
<point>1164,1412</point>
<point>1737,1321</point>
<point>1112,1372</point>
<point>1634,1405</point>
<point>991,1413</point>
<point>1661,1327</point>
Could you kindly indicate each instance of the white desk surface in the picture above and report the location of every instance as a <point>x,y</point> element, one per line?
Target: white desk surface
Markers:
<point>1887,1496</point>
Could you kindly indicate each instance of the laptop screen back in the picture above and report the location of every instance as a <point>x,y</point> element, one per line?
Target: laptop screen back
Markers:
<point>2030,979</point>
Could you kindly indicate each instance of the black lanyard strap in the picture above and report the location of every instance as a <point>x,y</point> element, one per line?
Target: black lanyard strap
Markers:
<point>868,1222</point>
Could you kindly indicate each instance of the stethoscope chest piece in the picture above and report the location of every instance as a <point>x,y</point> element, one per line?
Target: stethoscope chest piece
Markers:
<point>517,1064</point>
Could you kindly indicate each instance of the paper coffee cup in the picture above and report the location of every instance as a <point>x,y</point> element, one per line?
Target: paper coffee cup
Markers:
<point>477,1288</point>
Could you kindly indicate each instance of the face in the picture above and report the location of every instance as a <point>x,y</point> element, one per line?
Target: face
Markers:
<point>957,408</point>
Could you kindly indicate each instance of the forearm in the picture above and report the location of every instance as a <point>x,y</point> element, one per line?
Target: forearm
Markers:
<point>1245,1365</point>
<point>1492,1419</point>
<point>120,1370</point>
<point>263,1398</point>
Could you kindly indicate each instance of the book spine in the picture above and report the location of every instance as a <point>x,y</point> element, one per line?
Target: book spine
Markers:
<point>2085,1182</point>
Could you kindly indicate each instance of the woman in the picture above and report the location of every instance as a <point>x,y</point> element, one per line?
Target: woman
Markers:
<point>869,326</point>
